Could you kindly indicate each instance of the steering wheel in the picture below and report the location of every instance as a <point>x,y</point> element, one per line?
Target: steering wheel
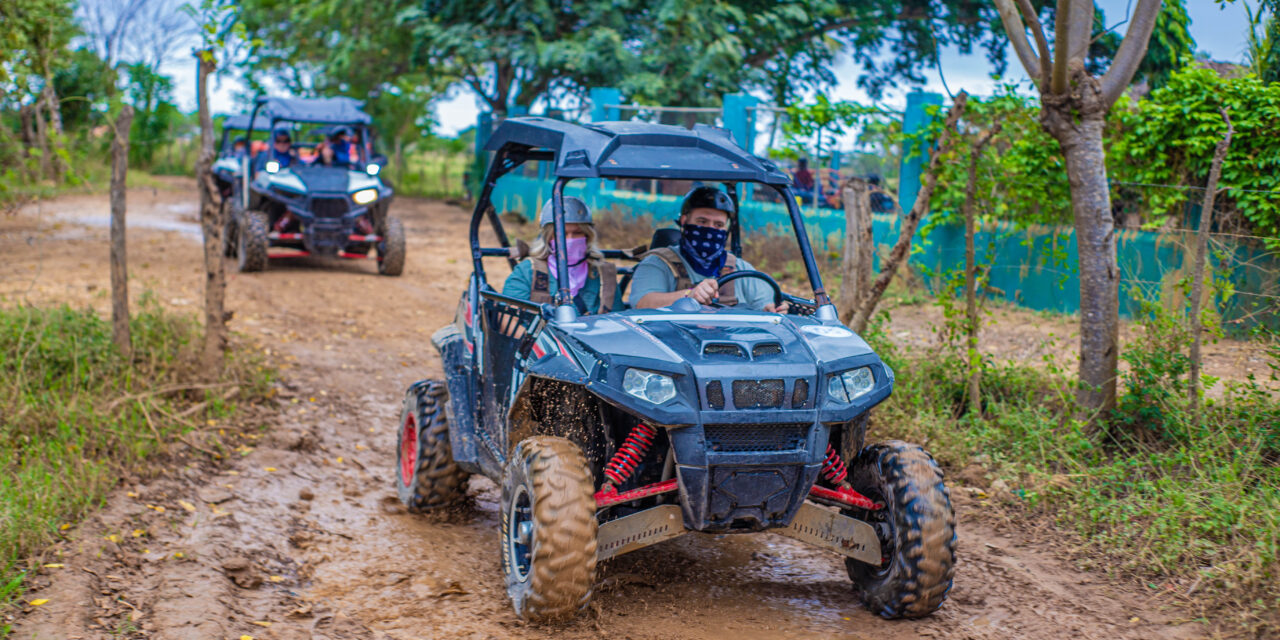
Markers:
<point>773,284</point>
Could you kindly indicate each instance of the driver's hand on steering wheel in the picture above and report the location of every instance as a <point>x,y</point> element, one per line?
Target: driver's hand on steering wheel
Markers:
<point>704,292</point>
<point>780,308</point>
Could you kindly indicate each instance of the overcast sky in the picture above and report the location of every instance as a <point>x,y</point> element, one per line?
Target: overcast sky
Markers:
<point>1219,31</point>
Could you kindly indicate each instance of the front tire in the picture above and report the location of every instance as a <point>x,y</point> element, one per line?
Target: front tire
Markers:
<point>426,475</point>
<point>391,250</point>
<point>252,242</point>
<point>917,531</point>
<point>548,529</point>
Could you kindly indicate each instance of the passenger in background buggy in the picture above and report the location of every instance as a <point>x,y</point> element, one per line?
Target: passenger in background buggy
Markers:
<point>593,281</point>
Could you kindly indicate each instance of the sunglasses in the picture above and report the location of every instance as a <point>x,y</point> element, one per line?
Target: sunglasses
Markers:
<point>278,140</point>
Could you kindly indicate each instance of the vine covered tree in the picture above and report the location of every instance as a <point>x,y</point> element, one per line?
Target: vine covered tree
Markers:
<point>1074,104</point>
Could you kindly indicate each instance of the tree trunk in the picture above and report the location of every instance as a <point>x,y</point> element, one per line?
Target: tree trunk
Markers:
<point>42,140</point>
<point>215,284</point>
<point>858,245</point>
<point>53,132</point>
<point>971,274</point>
<point>119,265</point>
<point>902,248</point>
<point>1079,132</point>
<point>1202,250</point>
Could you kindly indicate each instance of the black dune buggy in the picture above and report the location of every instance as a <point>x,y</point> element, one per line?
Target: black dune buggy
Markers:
<point>304,207</point>
<point>613,432</point>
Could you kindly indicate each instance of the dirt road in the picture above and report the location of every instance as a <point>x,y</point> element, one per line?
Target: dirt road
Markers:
<point>301,536</point>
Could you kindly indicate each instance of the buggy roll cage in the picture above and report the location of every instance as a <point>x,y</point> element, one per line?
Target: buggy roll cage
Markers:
<point>339,110</point>
<point>626,150</point>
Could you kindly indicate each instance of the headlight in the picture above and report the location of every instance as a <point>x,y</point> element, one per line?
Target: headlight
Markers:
<point>372,169</point>
<point>649,386</point>
<point>272,166</point>
<point>365,196</point>
<point>850,385</point>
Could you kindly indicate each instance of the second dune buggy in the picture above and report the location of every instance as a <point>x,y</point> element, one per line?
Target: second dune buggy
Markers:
<point>305,207</point>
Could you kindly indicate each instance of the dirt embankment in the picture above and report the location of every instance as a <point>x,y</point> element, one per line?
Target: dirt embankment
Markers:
<point>301,535</point>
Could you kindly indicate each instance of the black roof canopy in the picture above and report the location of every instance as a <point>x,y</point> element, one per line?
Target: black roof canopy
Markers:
<point>338,110</point>
<point>636,150</point>
<point>241,122</point>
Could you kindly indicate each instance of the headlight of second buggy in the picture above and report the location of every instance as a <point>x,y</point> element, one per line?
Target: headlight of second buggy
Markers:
<point>648,386</point>
<point>850,385</point>
<point>365,196</point>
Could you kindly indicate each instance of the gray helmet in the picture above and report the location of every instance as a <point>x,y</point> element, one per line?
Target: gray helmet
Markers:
<point>575,212</point>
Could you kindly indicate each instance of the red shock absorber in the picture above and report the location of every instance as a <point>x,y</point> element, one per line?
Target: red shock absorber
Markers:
<point>629,455</point>
<point>833,468</point>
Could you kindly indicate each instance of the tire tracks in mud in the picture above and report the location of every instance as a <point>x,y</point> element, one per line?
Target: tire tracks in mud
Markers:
<point>303,531</point>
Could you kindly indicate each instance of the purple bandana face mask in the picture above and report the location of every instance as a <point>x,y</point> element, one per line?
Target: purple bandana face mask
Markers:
<point>703,248</point>
<point>577,258</point>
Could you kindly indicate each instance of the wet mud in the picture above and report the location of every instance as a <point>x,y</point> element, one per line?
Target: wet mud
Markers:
<point>301,535</point>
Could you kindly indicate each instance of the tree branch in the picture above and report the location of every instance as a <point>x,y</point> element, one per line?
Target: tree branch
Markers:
<point>1081,29</point>
<point>1061,50</point>
<point>1132,50</point>
<point>902,248</point>
<point>760,57</point>
<point>1017,32</point>
<point>1037,31</point>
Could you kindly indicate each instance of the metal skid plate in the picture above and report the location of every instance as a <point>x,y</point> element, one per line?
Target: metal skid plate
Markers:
<point>640,530</point>
<point>831,530</point>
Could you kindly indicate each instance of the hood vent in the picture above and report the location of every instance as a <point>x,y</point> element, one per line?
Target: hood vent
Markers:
<point>766,349</point>
<point>723,349</point>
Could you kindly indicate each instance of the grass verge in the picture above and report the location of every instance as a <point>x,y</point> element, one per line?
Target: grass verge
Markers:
<point>76,415</point>
<point>1190,507</point>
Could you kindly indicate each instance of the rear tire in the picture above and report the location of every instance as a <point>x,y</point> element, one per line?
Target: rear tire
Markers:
<point>548,529</point>
<point>426,475</point>
<point>252,242</point>
<point>917,530</point>
<point>391,250</point>
<point>230,243</point>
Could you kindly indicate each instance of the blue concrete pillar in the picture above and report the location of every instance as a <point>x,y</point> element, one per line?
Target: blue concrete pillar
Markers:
<point>601,98</point>
<point>739,117</point>
<point>914,160</point>
<point>484,128</point>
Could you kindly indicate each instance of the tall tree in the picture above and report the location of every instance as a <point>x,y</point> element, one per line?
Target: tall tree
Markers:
<point>1074,104</point>
<point>36,34</point>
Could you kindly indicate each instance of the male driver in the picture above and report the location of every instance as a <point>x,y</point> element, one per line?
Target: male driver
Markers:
<point>282,151</point>
<point>690,271</point>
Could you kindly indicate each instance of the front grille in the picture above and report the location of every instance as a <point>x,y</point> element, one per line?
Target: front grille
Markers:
<point>329,207</point>
<point>746,438</point>
<point>758,394</point>
<point>766,349</point>
<point>800,394</point>
<point>715,395</point>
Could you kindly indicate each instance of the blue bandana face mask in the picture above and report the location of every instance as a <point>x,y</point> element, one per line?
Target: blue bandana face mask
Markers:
<point>703,248</point>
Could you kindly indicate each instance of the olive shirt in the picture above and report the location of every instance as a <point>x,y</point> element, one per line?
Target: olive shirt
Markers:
<point>520,285</point>
<point>653,275</point>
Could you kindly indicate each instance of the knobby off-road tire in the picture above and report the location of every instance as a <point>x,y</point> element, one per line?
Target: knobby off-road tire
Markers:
<point>252,251</point>
<point>548,529</point>
<point>230,243</point>
<point>391,250</point>
<point>917,531</point>
<point>426,475</point>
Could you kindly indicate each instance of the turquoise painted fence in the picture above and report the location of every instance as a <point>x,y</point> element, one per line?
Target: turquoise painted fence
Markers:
<point>1033,267</point>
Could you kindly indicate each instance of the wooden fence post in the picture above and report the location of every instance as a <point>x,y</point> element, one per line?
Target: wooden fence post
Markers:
<point>119,263</point>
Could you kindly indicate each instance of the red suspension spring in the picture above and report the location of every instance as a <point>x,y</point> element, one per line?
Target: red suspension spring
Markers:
<point>629,455</point>
<point>833,468</point>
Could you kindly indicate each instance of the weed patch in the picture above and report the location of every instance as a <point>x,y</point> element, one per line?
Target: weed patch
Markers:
<point>76,415</point>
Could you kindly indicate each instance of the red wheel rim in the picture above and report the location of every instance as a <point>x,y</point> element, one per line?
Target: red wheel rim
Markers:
<point>408,450</point>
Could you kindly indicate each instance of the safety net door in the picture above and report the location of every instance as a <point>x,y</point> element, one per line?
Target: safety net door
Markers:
<point>509,332</point>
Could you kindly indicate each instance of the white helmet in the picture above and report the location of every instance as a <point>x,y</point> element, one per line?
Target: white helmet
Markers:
<point>575,212</point>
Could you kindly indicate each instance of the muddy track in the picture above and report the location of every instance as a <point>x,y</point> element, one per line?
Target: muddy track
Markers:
<point>302,536</point>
